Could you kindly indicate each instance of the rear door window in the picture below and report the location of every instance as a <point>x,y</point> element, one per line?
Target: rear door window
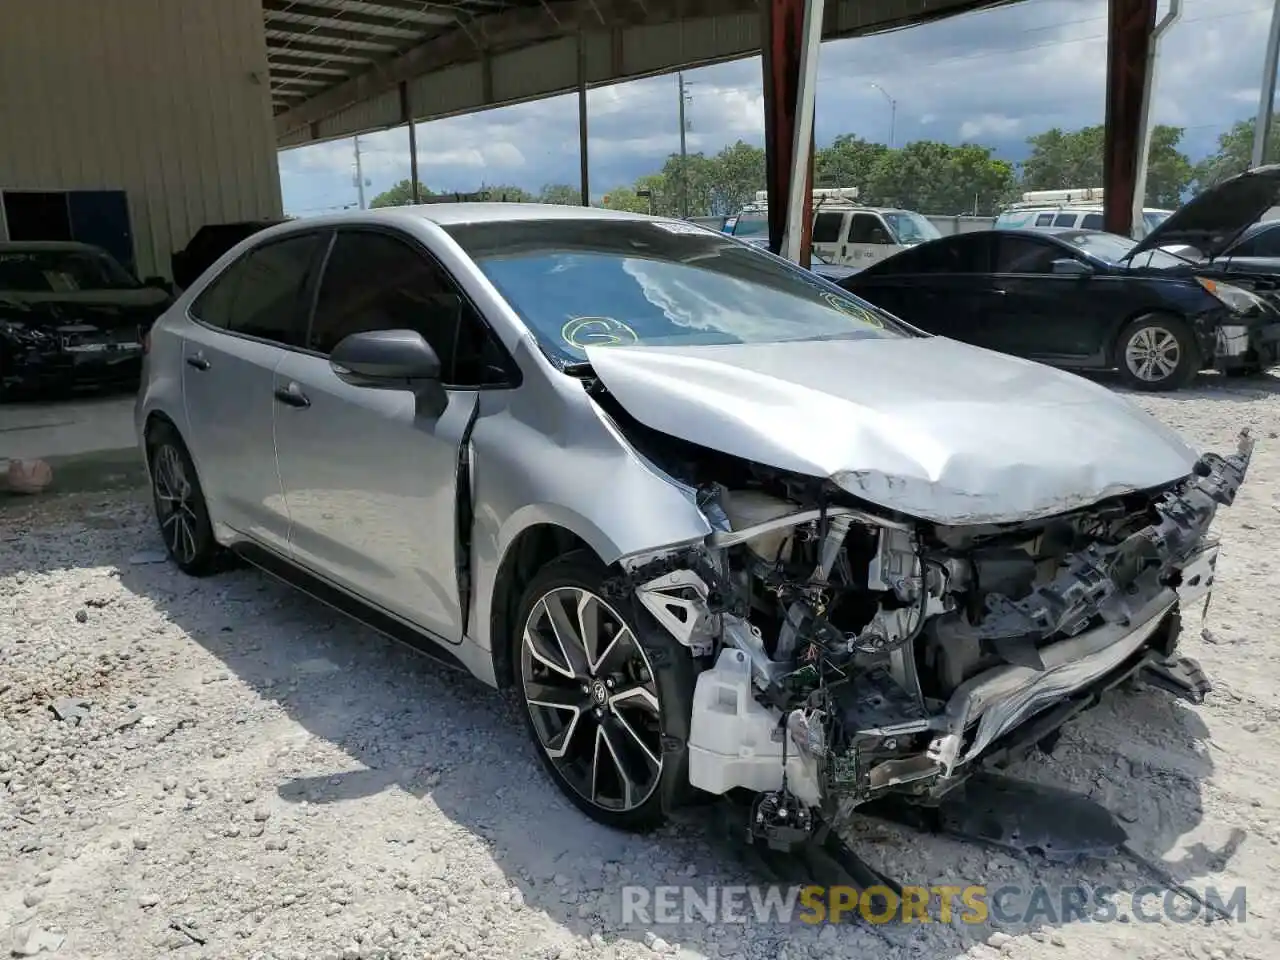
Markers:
<point>1092,221</point>
<point>826,227</point>
<point>1044,220</point>
<point>260,295</point>
<point>1065,220</point>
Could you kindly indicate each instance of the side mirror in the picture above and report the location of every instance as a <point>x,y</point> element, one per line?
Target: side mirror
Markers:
<point>392,360</point>
<point>1070,267</point>
<point>159,283</point>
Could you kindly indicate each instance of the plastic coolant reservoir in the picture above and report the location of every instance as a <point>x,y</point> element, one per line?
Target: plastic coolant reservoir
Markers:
<point>732,737</point>
<point>745,508</point>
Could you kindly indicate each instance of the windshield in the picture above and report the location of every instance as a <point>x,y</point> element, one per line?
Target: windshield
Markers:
<point>910,227</point>
<point>577,283</point>
<point>61,271</point>
<point>752,225</point>
<point>1113,248</point>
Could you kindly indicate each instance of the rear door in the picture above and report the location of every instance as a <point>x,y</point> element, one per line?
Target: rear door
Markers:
<point>246,320</point>
<point>369,480</point>
<point>934,286</point>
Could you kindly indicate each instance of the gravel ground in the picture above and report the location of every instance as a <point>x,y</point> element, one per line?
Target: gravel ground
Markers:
<point>258,777</point>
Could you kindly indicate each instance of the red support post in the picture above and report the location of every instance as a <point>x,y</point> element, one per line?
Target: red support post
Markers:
<point>1130,24</point>
<point>783,41</point>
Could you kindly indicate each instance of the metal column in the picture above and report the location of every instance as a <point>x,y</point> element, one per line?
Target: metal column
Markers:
<point>583,157</point>
<point>406,117</point>
<point>1267,95</point>
<point>1130,24</point>
<point>792,30</point>
<point>1149,93</point>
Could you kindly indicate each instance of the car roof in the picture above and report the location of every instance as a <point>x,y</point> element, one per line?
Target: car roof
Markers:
<point>38,246</point>
<point>447,214</point>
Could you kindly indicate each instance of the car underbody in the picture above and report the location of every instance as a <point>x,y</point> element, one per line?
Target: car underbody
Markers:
<point>851,655</point>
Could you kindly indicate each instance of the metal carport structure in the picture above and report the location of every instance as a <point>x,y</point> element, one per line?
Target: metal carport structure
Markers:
<point>169,100</point>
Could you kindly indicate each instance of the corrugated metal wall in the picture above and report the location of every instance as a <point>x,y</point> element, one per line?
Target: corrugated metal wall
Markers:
<point>165,99</point>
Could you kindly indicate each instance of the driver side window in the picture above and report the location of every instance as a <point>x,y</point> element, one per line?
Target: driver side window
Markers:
<point>1025,255</point>
<point>867,228</point>
<point>375,281</point>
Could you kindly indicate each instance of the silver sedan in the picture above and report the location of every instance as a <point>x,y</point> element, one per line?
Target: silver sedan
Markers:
<point>724,526</point>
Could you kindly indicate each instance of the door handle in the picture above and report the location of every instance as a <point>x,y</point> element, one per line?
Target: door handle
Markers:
<point>998,290</point>
<point>292,396</point>
<point>198,361</point>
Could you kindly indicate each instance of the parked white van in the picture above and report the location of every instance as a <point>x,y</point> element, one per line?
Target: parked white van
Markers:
<point>1079,208</point>
<point>844,231</point>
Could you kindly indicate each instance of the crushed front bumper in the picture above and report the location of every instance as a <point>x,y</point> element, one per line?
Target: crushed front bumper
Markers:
<point>993,704</point>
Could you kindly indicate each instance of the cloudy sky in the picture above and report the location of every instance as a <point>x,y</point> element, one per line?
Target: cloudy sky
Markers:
<point>993,77</point>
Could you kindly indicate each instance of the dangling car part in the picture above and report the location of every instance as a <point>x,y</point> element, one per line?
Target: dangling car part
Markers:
<point>853,651</point>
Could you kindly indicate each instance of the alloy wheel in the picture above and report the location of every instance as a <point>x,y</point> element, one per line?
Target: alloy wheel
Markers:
<point>174,497</point>
<point>1152,354</point>
<point>591,695</point>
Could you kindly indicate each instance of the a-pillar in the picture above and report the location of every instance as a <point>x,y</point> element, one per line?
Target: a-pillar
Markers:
<point>1129,27</point>
<point>790,44</point>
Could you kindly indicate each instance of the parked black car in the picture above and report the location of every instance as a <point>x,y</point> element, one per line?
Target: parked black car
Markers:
<point>1077,299</point>
<point>209,243</point>
<point>71,316</point>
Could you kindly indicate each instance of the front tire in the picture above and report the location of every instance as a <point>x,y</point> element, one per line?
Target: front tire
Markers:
<point>1157,353</point>
<point>179,501</point>
<point>607,696</point>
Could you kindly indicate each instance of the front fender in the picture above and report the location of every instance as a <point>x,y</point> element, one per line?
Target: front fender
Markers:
<point>545,454</point>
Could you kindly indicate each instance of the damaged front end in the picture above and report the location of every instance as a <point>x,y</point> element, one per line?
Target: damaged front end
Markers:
<point>849,653</point>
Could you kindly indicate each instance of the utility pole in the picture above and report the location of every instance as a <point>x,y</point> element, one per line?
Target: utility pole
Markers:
<point>1266,99</point>
<point>359,173</point>
<point>684,166</point>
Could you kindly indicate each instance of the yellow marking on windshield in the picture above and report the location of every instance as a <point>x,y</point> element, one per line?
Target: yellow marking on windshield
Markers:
<point>583,332</point>
<point>851,309</point>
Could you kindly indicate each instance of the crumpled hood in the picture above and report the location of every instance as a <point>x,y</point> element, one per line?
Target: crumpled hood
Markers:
<point>930,427</point>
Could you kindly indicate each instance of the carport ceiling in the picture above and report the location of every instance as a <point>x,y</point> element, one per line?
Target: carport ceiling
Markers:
<point>328,57</point>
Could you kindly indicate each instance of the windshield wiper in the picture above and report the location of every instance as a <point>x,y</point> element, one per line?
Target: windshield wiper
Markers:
<point>579,368</point>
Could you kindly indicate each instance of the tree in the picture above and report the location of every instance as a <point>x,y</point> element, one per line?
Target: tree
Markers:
<point>624,198</point>
<point>848,162</point>
<point>560,193</point>
<point>399,196</point>
<point>506,192</point>
<point>735,174</point>
<point>1061,160</point>
<point>1235,153</point>
<point>938,178</point>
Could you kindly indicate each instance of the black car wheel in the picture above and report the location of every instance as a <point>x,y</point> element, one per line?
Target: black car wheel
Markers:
<point>179,503</point>
<point>607,698</point>
<point>1157,353</point>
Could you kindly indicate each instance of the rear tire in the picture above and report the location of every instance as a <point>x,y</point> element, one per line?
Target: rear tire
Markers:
<point>609,717</point>
<point>179,502</point>
<point>1157,352</point>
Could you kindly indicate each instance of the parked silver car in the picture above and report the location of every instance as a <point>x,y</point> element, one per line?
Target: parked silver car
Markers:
<point>722,524</point>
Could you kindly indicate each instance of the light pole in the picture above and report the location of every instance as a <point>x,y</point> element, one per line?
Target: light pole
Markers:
<point>893,111</point>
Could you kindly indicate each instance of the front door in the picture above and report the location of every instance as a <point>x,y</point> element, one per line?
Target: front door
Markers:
<point>1033,312</point>
<point>247,320</point>
<point>369,479</point>
<point>868,242</point>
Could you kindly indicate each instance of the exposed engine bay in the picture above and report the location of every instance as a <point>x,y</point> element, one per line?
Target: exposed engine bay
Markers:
<point>848,653</point>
